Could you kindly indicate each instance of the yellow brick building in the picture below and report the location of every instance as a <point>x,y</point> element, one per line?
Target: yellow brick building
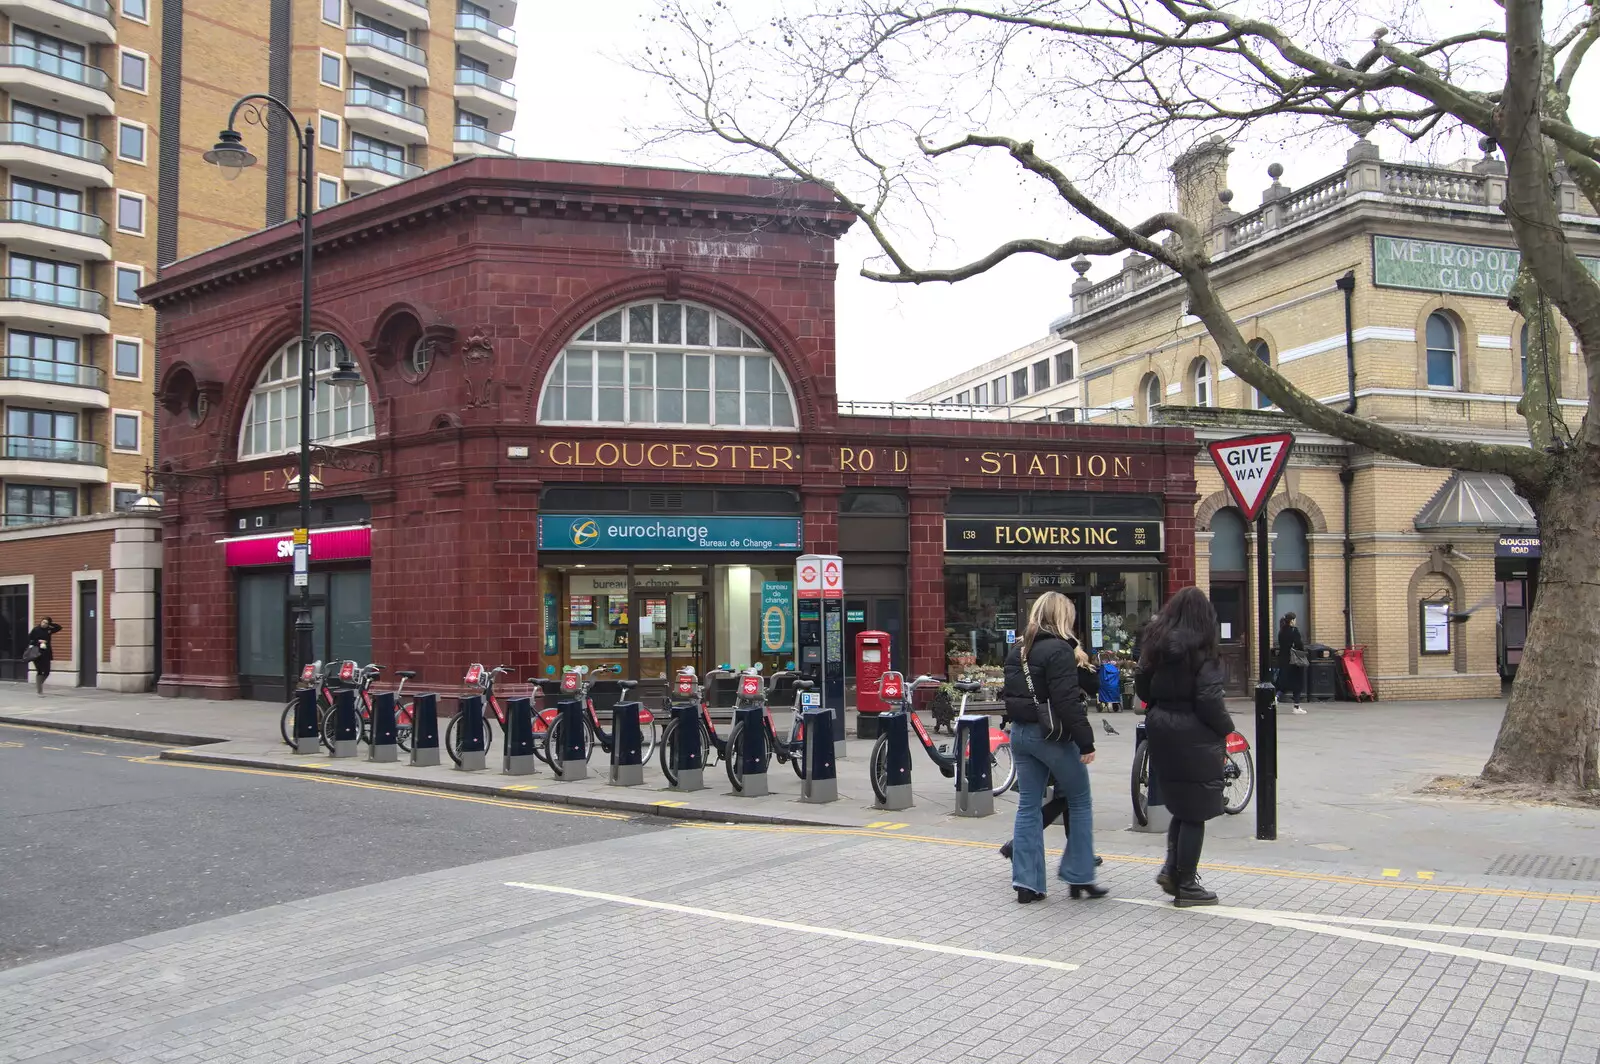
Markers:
<point>1432,571</point>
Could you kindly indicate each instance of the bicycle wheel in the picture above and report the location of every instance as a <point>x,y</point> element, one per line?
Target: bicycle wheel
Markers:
<point>552,746</point>
<point>668,769</point>
<point>1002,769</point>
<point>286,725</point>
<point>797,759</point>
<point>325,729</point>
<point>734,762</point>
<point>647,742</point>
<point>452,738</point>
<point>878,768</point>
<point>1141,784</point>
<point>1238,782</point>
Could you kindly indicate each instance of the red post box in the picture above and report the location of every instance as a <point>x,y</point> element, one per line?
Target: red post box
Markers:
<point>872,661</point>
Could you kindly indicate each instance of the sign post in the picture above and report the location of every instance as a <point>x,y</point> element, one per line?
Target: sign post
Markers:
<point>1250,467</point>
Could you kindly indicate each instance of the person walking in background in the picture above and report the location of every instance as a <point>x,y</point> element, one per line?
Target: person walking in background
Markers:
<point>39,652</point>
<point>1292,660</point>
<point>1048,665</point>
<point>1181,678</point>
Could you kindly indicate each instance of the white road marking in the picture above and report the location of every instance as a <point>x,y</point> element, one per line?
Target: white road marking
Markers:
<point>809,929</point>
<point>1318,924</point>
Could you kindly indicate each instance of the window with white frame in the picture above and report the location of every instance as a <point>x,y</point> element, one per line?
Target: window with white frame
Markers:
<point>327,191</point>
<point>130,212</point>
<point>1202,382</point>
<point>1443,351</point>
<point>333,12</point>
<point>134,71</point>
<point>998,386</point>
<point>138,10</point>
<point>127,358</point>
<point>130,142</point>
<point>1152,396</point>
<point>661,363</point>
<point>980,395</point>
<point>331,70</point>
<point>129,280</point>
<point>125,430</point>
<point>341,414</point>
<point>328,135</point>
<point>1041,375</point>
<point>1063,366</point>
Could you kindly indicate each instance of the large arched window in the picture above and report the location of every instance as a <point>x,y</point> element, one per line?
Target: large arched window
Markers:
<point>1228,574</point>
<point>340,413</point>
<point>1443,351</point>
<point>1291,569</point>
<point>1150,396</point>
<point>1200,371</point>
<point>667,364</point>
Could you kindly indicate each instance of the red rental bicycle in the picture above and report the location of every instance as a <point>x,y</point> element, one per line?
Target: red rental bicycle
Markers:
<point>893,689</point>
<point>347,674</point>
<point>689,688</point>
<point>578,682</point>
<point>482,679</point>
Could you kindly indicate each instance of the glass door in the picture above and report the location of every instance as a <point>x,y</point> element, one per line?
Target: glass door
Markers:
<point>668,634</point>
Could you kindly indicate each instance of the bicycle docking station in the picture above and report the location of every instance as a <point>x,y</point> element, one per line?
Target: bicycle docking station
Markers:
<point>385,745</point>
<point>346,727</point>
<point>820,783</point>
<point>571,760</point>
<point>470,710</point>
<point>752,753</point>
<point>627,746</point>
<point>306,727</point>
<point>974,781</point>
<point>686,754</point>
<point>519,759</point>
<point>895,730</point>
<point>424,731</point>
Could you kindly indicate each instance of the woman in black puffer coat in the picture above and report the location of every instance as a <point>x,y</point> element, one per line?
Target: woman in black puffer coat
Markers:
<point>1181,678</point>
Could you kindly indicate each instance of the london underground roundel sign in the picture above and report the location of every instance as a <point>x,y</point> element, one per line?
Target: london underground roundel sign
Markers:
<point>1250,467</point>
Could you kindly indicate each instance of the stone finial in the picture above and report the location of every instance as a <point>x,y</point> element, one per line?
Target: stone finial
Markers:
<point>1275,171</point>
<point>1227,214</point>
<point>1277,190</point>
<point>1081,265</point>
<point>1488,164</point>
<point>1082,284</point>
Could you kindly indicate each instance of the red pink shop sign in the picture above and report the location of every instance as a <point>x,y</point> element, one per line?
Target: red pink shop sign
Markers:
<point>277,548</point>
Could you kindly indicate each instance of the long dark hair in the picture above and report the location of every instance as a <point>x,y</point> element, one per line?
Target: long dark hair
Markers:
<point>1184,632</point>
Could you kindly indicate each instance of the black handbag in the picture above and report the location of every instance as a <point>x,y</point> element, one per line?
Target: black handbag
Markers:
<point>33,653</point>
<point>1051,726</point>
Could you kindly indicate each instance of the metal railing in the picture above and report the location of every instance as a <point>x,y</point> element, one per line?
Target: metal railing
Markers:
<point>20,55</point>
<point>972,412</point>
<point>465,21</point>
<point>94,7</point>
<point>47,372</point>
<point>52,294</point>
<point>387,164</point>
<point>31,213</point>
<point>52,140</point>
<point>42,449</point>
<point>479,135</point>
<point>382,101</point>
<point>467,76</point>
<point>359,35</point>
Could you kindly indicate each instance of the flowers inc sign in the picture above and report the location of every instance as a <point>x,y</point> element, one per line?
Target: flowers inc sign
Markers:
<point>1455,269</point>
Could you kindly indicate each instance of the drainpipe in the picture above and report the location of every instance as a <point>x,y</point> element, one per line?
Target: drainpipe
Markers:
<point>1347,478</point>
<point>1347,285</point>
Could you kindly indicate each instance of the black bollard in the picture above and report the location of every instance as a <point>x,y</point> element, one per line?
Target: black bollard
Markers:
<point>974,791</point>
<point>385,743</point>
<point>687,757</point>
<point>750,723</point>
<point>425,731</point>
<point>518,759</point>
<point>894,792</point>
<point>307,727</point>
<point>346,725</point>
<point>627,746</point>
<point>1266,762</point>
<point>820,783</point>
<point>469,733</point>
<point>570,754</point>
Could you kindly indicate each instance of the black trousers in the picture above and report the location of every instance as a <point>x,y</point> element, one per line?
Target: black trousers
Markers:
<point>1184,841</point>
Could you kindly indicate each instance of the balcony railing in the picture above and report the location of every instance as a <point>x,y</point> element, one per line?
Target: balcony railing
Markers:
<point>465,21</point>
<point>41,449</point>
<point>382,101</point>
<point>387,164</point>
<point>60,218</point>
<point>52,140</point>
<point>47,372</point>
<point>974,412</point>
<point>393,45</point>
<point>55,295</point>
<point>20,55</point>
<point>94,7</point>
<point>466,76</point>
<point>479,135</point>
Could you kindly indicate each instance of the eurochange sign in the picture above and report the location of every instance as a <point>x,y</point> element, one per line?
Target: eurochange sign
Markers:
<point>1020,535</point>
<point>1455,269</point>
<point>632,532</point>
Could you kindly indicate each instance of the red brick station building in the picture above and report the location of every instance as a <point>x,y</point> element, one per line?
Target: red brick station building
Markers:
<point>598,424</point>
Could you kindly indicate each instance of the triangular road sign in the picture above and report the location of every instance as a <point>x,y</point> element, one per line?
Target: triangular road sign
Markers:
<point>1250,467</point>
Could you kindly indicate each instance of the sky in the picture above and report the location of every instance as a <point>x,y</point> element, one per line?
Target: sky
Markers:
<point>578,99</point>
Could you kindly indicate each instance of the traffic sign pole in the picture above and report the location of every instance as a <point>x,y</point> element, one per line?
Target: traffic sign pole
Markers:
<point>1250,468</point>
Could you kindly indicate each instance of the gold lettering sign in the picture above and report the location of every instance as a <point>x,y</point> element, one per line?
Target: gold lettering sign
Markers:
<point>606,454</point>
<point>282,479</point>
<point>873,460</point>
<point>1071,464</point>
<point>1053,535</point>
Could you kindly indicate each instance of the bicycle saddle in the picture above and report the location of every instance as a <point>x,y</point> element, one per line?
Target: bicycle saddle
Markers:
<point>406,674</point>
<point>968,685</point>
<point>625,684</point>
<point>804,685</point>
<point>548,686</point>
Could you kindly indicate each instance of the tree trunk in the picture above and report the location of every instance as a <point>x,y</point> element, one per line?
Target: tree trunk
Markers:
<point>1550,737</point>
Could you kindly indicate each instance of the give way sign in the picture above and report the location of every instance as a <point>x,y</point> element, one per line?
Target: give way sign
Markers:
<point>1250,467</point>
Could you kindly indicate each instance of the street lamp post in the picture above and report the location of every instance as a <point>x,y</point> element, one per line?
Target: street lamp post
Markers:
<point>231,156</point>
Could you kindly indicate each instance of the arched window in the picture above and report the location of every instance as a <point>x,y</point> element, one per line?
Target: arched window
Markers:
<point>1227,542</point>
<point>1201,372</point>
<point>1150,396</point>
<point>1291,567</point>
<point>340,413</point>
<point>668,364</point>
<point>1443,351</point>
<point>1264,353</point>
<point>1228,567</point>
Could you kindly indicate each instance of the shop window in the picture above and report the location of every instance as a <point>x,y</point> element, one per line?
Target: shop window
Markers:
<point>1291,564</point>
<point>1058,505</point>
<point>1200,375</point>
<point>872,502</point>
<point>757,501</point>
<point>696,368</point>
<point>272,418</point>
<point>980,503</point>
<point>261,624</point>
<point>1444,351</point>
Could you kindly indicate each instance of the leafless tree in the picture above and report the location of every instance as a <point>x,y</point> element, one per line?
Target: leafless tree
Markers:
<point>877,99</point>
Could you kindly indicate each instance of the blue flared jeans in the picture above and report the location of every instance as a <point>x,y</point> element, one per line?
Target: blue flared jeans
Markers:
<point>1038,760</point>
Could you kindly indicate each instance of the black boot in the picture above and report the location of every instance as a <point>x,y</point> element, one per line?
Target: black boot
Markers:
<point>1005,849</point>
<point>1191,893</point>
<point>1024,896</point>
<point>1167,878</point>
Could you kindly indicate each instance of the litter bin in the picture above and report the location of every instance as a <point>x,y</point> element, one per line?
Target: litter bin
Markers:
<point>1322,673</point>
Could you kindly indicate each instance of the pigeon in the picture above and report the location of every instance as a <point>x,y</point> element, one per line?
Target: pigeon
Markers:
<point>1106,724</point>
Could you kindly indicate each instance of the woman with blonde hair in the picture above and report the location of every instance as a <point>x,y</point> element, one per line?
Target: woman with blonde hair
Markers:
<point>1048,666</point>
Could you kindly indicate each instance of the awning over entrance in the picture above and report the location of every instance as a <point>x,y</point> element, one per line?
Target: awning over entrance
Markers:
<point>1478,501</point>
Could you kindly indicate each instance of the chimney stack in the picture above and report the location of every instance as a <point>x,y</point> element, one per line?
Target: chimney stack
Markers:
<point>1201,174</point>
